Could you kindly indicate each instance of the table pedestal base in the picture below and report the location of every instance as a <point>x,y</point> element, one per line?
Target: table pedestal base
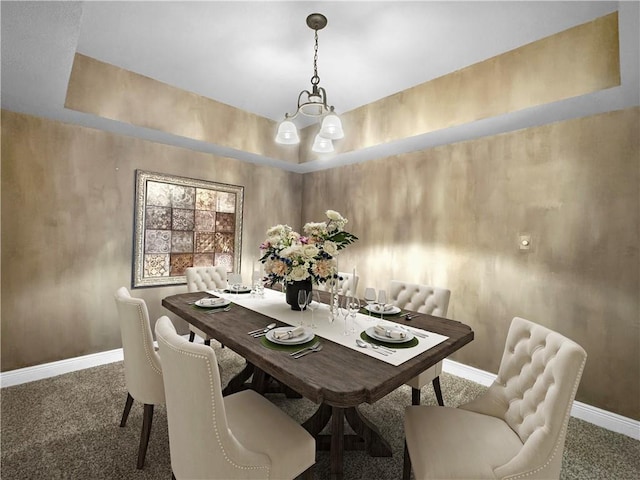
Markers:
<point>367,436</point>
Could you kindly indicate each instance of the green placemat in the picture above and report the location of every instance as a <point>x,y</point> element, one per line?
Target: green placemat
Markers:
<point>364,311</point>
<point>286,348</point>
<point>412,343</point>
<point>212,308</point>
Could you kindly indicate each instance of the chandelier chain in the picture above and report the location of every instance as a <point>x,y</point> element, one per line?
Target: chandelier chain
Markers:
<point>315,80</point>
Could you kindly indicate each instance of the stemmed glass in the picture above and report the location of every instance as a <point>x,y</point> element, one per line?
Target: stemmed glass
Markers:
<point>370,297</point>
<point>354,308</point>
<point>235,280</point>
<point>382,301</point>
<point>343,309</point>
<point>313,302</point>
<point>302,303</point>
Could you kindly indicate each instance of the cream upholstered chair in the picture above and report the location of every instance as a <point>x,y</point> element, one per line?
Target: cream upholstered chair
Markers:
<point>242,435</point>
<point>200,279</point>
<point>423,299</point>
<point>142,370</point>
<point>516,429</point>
<point>347,283</point>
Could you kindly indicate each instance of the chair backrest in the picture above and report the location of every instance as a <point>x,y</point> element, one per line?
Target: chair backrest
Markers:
<point>419,298</point>
<point>537,381</point>
<point>142,369</point>
<point>206,278</point>
<point>347,283</point>
<point>200,442</point>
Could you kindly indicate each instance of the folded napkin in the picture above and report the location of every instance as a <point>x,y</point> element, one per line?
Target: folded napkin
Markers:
<point>211,302</point>
<point>292,333</point>
<point>383,308</point>
<point>389,332</point>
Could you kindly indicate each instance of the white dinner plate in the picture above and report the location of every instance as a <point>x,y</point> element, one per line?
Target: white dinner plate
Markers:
<point>390,309</point>
<point>204,303</point>
<point>240,290</point>
<point>372,333</point>
<point>304,338</point>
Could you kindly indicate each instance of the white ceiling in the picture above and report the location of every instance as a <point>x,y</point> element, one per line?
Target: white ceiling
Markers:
<point>257,56</point>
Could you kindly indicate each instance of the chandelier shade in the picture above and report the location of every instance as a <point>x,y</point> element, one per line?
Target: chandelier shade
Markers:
<point>313,103</point>
<point>332,127</point>
<point>287,133</point>
<point>322,145</point>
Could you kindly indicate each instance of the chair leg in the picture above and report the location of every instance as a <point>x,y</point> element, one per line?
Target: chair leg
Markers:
<point>207,342</point>
<point>144,435</point>
<point>127,409</point>
<point>192,336</point>
<point>436,387</point>
<point>307,474</point>
<point>415,396</point>
<point>406,464</point>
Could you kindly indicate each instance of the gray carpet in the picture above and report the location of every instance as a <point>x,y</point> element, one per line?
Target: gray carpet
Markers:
<point>67,427</point>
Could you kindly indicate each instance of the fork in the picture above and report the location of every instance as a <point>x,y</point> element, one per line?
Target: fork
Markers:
<point>225,309</point>
<point>298,352</point>
<point>311,350</point>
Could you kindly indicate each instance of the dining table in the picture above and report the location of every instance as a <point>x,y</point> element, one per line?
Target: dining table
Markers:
<point>339,377</point>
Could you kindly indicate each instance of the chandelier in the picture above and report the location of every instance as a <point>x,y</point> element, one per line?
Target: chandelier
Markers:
<point>313,104</point>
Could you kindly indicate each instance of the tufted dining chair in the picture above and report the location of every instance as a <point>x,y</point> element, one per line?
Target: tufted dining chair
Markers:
<point>516,429</point>
<point>347,283</point>
<point>142,369</point>
<point>200,279</point>
<point>422,299</point>
<point>240,436</point>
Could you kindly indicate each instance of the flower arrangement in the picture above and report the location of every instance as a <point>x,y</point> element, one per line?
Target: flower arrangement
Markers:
<point>289,256</point>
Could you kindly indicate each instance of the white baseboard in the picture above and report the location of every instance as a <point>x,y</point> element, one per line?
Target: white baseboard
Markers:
<point>602,418</point>
<point>597,416</point>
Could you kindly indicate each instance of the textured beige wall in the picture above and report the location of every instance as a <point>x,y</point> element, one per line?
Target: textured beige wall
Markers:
<point>118,94</point>
<point>450,217</point>
<point>67,219</point>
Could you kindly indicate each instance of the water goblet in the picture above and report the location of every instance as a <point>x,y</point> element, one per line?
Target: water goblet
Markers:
<point>354,308</point>
<point>302,303</point>
<point>313,302</point>
<point>382,301</point>
<point>343,309</point>
<point>370,298</point>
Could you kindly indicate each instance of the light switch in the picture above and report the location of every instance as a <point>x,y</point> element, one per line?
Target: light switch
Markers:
<point>524,241</point>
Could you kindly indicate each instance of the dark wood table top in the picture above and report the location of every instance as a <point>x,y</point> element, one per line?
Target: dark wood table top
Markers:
<point>337,376</point>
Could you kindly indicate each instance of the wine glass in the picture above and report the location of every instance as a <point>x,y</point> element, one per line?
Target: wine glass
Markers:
<point>354,308</point>
<point>382,301</point>
<point>370,298</point>
<point>235,279</point>
<point>313,302</point>
<point>302,303</point>
<point>343,309</point>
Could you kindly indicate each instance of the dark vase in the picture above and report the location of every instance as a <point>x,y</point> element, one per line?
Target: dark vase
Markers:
<point>292,292</point>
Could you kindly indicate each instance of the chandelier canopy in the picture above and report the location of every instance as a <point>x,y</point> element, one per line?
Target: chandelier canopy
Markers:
<point>313,104</point>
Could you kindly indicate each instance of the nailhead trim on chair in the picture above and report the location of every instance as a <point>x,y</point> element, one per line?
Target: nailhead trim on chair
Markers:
<point>148,342</point>
<point>562,434</point>
<point>215,425</point>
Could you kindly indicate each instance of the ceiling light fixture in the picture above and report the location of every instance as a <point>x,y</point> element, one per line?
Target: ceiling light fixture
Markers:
<point>313,104</point>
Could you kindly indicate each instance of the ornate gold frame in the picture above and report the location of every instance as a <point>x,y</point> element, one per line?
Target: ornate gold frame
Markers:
<point>141,276</point>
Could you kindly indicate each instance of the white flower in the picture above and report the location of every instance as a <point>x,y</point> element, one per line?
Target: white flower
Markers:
<point>330,247</point>
<point>315,229</point>
<point>290,252</point>
<point>276,231</point>
<point>310,251</point>
<point>299,273</point>
<point>335,216</point>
